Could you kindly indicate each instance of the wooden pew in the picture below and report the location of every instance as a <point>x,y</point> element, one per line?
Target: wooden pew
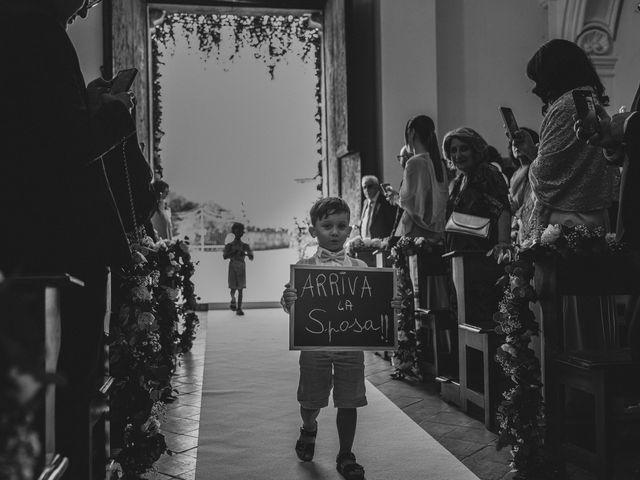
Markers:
<point>603,376</point>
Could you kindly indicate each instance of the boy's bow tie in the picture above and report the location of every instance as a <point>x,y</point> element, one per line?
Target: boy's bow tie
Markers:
<point>332,256</point>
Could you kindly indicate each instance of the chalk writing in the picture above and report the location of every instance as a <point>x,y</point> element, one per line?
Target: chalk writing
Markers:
<point>342,308</point>
<point>323,326</point>
<point>340,285</point>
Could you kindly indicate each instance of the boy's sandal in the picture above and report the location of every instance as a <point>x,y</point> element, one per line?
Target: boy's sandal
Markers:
<point>306,449</point>
<point>348,467</point>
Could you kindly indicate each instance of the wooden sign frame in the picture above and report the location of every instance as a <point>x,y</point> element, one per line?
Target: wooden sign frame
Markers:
<point>334,268</point>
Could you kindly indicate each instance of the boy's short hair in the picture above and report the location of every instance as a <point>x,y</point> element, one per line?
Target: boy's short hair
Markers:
<point>237,226</point>
<point>328,206</point>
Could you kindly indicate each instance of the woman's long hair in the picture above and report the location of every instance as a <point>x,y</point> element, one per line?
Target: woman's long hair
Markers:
<point>558,67</point>
<point>425,129</point>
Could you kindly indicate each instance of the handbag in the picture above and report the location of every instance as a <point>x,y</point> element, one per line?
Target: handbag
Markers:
<point>466,224</point>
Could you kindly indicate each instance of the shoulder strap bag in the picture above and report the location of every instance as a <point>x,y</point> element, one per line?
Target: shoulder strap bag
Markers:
<point>466,224</point>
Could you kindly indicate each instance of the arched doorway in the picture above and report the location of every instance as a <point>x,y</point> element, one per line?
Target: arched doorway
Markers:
<point>129,45</point>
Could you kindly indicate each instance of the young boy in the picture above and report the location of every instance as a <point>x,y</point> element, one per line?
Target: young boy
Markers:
<point>330,225</point>
<point>235,252</point>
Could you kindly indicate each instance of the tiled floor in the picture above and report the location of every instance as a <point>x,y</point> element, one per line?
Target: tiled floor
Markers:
<point>463,436</point>
<point>180,427</point>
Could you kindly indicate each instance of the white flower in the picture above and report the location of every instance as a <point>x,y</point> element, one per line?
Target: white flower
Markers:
<point>145,319</point>
<point>550,234</point>
<point>172,293</point>
<point>376,243</point>
<point>527,243</point>
<point>140,293</point>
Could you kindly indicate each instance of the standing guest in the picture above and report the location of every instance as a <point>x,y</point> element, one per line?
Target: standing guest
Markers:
<point>56,204</point>
<point>424,189</point>
<point>423,196</point>
<point>520,194</point>
<point>569,178</point>
<point>161,219</point>
<point>235,252</point>
<point>478,190</point>
<point>377,213</point>
<point>320,371</point>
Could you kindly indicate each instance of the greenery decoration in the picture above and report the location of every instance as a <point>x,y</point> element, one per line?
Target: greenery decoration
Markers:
<point>521,412</point>
<point>152,297</point>
<point>271,38</point>
<point>409,358</point>
<point>358,244</point>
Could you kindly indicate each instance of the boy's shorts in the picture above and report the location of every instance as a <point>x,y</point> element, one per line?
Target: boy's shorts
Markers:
<point>320,371</point>
<point>237,277</point>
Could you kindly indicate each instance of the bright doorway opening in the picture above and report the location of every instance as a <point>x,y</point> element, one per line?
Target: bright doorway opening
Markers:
<point>237,129</point>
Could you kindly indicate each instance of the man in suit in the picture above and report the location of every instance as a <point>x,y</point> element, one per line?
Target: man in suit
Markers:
<point>378,214</point>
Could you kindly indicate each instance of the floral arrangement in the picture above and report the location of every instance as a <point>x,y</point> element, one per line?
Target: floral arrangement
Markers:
<point>407,359</point>
<point>521,412</point>
<point>358,244</point>
<point>579,240</point>
<point>144,347</point>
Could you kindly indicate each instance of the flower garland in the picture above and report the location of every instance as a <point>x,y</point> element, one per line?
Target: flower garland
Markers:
<point>144,347</point>
<point>271,37</point>
<point>409,356</point>
<point>188,307</point>
<point>521,412</point>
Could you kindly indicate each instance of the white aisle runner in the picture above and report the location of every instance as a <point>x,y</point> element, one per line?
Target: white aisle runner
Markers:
<point>250,417</point>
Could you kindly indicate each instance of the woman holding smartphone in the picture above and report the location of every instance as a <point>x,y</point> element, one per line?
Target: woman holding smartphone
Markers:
<point>569,178</point>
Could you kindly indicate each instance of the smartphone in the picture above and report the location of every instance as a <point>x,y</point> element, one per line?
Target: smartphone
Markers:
<point>586,109</point>
<point>509,120</point>
<point>123,80</point>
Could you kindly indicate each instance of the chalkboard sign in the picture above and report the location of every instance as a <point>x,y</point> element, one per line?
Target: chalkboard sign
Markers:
<point>343,308</point>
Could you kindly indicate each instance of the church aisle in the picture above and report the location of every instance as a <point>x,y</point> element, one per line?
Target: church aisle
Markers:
<point>249,419</point>
<point>464,437</point>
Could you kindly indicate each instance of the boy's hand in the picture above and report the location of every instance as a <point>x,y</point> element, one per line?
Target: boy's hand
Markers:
<point>396,303</point>
<point>289,297</point>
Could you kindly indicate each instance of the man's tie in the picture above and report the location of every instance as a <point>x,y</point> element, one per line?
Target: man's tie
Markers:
<point>367,229</point>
